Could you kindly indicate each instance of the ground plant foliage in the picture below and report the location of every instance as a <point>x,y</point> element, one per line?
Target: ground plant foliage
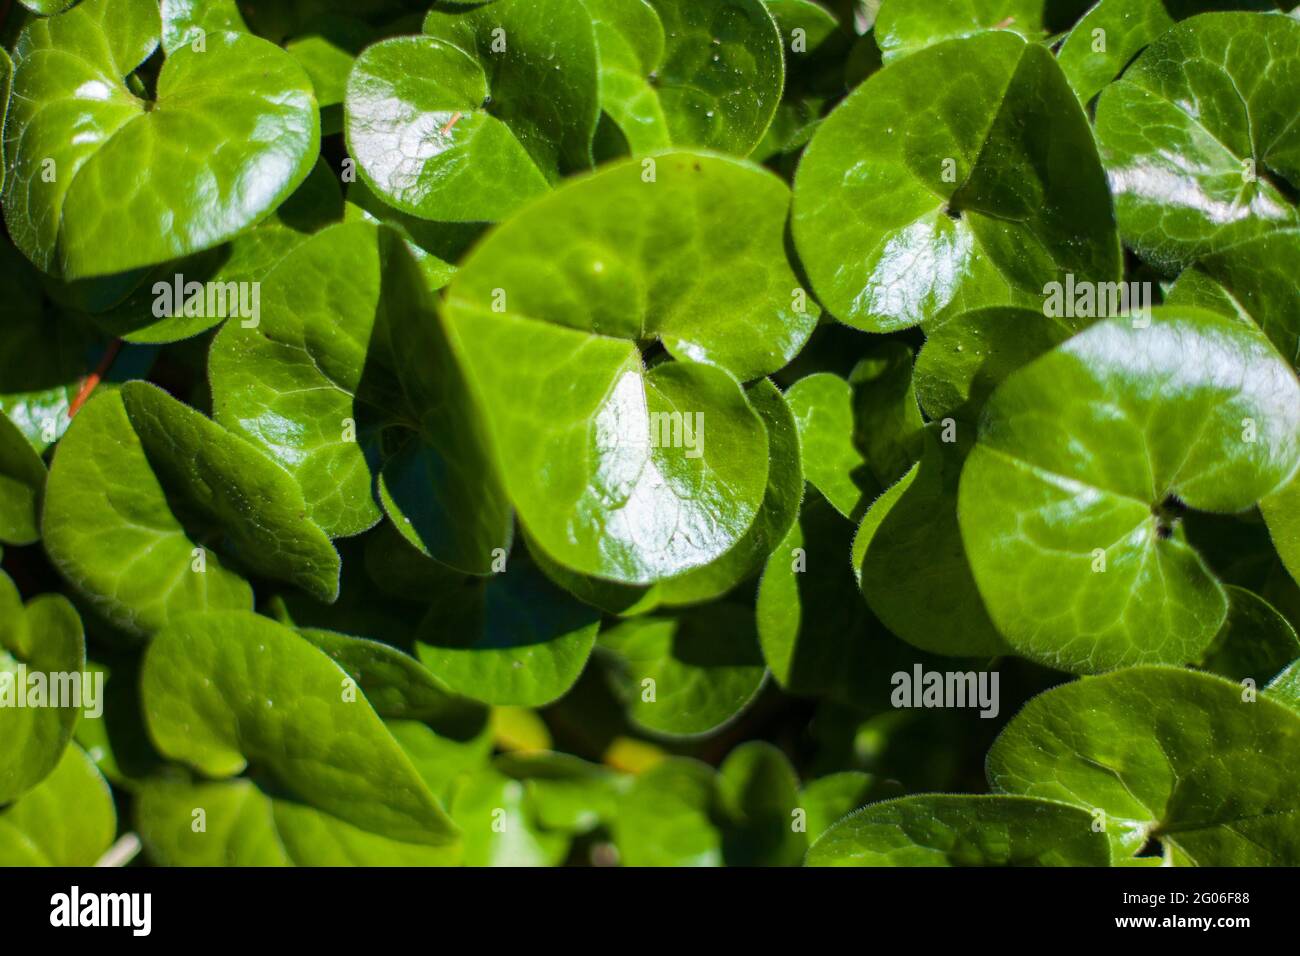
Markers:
<point>650,433</point>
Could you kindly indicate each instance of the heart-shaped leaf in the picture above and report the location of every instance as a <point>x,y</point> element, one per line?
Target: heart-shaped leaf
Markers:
<point>42,689</point>
<point>226,690</point>
<point>471,121</point>
<point>1195,132</point>
<point>507,638</point>
<point>688,674</point>
<point>608,464</point>
<point>908,551</point>
<point>704,73</point>
<point>1113,32</point>
<point>961,830</point>
<point>1087,457</point>
<point>1130,748</point>
<point>70,79</point>
<point>960,177</point>
<point>68,820</point>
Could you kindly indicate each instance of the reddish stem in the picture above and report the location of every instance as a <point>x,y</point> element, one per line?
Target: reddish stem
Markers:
<point>95,377</point>
<point>455,118</point>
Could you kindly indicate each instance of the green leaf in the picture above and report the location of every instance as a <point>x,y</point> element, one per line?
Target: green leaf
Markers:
<point>1285,687</point>
<point>109,529</point>
<point>186,22</point>
<point>615,478</point>
<point>973,181</point>
<point>1133,745</point>
<point>43,353</point>
<point>349,347</point>
<point>6,82</point>
<point>967,356</point>
<point>70,74</point>
<point>245,825</point>
<point>229,484</point>
<point>905,28</point>
<point>685,73</point>
<point>508,638</point>
<point>827,799</point>
<point>1255,642</point>
<point>68,820</point>
<point>394,683</point>
<point>822,405</point>
<point>667,817</point>
<point>182,298</point>
<point>1254,279</point>
<point>887,420</point>
<point>567,793</point>
<point>1087,457</point>
<point>776,515</point>
<point>1195,132</point>
<point>912,565</point>
<point>469,123</point>
<point>689,674</point>
<point>499,819</point>
<point>1282,513</point>
<point>813,626</point>
<point>22,480</point>
<point>228,690</point>
<point>1091,59</point>
<point>41,646</point>
<point>760,794</point>
<point>961,830</point>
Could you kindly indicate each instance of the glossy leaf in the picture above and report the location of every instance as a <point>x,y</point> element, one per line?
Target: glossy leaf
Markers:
<point>222,691</point>
<point>822,405</point>
<point>1255,642</point>
<point>912,564</point>
<point>1195,132</point>
<point>967,356</point>
<point>68,820</point>
<point>69,75</point>
<point>1113,32</point>
<point>1132,745</point>
<point>1282,512</point>
<point>1069,502</point>
<point>604,460</point>
<point>42,694</point>
<point>688,674</point>
<point>109,529</point>
<point>960,830</point>
<point>904,28</point>
<point>509,638</point>
<point>961,177</point>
